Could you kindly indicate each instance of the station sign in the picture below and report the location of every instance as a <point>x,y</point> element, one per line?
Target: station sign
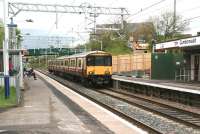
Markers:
<point>165,45</point>
<point>188,42</point>
<point>140,45</point>
<point>195,41</point>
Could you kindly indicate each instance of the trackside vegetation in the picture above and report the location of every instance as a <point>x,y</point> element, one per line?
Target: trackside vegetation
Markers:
<point>11,101</point>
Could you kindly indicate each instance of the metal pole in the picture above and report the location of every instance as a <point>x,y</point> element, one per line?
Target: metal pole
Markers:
<point>174,15</point>
<point>95,26</point>
<point>46,58</point>
<point>5,50</point>
<point>122,19</point>
<point>101,45</point>
<point>6,38</point>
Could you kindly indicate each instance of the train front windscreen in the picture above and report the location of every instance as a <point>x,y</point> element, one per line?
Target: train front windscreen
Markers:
<point>99,61</point>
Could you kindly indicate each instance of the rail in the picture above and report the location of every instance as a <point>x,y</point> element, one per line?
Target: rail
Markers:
<point>117,109</point>
<point>174,113</point>
<point>127,117</point>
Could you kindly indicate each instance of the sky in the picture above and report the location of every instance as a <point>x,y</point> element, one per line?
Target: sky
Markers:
<point>74,26</point>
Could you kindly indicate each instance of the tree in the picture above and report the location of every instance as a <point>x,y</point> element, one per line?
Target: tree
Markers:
<point>1,35</point>
<point>19,37</point>
<point>168,28</point>
<point>145,31</point>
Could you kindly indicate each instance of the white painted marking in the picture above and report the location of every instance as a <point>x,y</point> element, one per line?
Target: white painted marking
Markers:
<point>28,106</point>
<point>56,84</point>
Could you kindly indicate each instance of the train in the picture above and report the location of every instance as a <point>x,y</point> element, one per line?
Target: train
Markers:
<point>93,67</point>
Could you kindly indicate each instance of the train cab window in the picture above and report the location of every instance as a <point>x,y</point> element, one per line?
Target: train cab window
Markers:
<point>108,61</point>
<point>99,61</point>
<point>91,61</point>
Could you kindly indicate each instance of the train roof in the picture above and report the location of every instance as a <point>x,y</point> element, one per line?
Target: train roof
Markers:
<point>83,54</point>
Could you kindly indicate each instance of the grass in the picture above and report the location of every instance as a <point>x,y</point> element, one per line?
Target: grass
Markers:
<point>11,101</point>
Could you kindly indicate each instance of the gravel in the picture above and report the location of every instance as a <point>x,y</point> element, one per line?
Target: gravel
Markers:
<point>162,124</point>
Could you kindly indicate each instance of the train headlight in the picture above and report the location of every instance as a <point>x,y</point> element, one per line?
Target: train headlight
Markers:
<point>91,72</point>
<point>107,72</point>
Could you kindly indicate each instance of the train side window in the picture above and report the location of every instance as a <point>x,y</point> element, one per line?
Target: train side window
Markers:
<point>70,63</point>
<point>73,63</point>
<point>79,63</point>
<point>66,63</point>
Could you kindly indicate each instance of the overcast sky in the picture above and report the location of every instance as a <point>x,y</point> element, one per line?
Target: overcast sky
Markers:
<point>71,24</point>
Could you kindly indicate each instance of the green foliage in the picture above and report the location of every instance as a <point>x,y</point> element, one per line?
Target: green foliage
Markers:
<point>1,35</point>
<point>19,37</point>
<point>117,47</point>
<point>168,29</point>
<point>11,101</point>
<point>111,42</point>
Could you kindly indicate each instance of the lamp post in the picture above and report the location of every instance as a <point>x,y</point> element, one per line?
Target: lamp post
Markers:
<point>101,43</point>
<point>5,50</point>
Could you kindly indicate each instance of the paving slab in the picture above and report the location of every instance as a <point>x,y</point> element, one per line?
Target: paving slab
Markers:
<point>45,111</point>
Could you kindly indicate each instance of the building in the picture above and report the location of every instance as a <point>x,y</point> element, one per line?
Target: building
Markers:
<point>187,66</point>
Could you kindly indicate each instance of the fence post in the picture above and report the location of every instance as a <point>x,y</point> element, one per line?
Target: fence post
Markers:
<point>175,75</point>
<point>17,83</point>
<point>184,74</point>
<point>118,64</point>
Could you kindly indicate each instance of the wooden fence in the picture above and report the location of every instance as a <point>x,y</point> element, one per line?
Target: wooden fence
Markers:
<point>135,62</point>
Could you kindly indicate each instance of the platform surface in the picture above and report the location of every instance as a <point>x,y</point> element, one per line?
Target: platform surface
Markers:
<point>165,84</point>
<point>48,111</point>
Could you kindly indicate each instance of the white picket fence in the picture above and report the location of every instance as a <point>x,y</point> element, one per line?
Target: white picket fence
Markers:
<point>14,82</point>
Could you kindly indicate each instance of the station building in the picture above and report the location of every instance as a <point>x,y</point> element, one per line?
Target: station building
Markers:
<point>178,59</point>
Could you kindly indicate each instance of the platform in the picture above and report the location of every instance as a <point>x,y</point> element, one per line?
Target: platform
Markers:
<point>193,88</point>
<point>55,109</point>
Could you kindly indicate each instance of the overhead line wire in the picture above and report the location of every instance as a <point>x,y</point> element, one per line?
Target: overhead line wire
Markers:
<point>146,8</point>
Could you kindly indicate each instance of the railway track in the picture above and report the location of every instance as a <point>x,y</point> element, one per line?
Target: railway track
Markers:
<point>126,98</point>
<point>183,116</point>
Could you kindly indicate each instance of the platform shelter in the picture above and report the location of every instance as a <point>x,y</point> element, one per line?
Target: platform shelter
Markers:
<point>187,66</point>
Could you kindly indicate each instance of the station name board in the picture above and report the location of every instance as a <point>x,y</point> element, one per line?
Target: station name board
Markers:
<point>188,42</point>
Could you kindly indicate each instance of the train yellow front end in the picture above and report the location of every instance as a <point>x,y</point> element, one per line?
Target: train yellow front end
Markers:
<point>99,67</point>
